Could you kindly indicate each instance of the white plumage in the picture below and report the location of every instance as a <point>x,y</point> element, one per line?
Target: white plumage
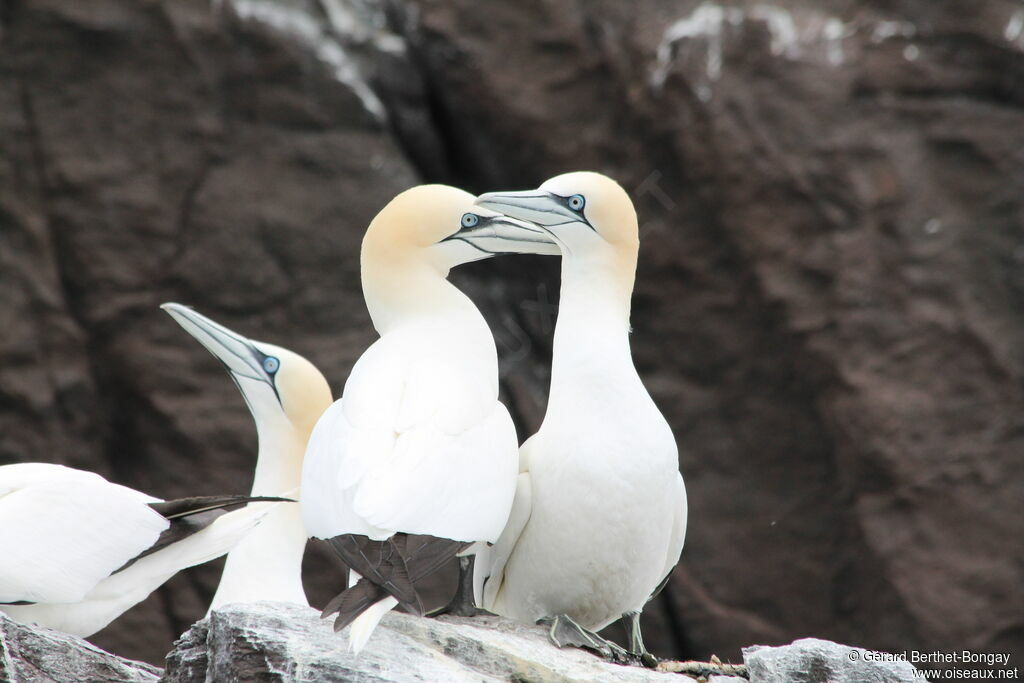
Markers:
<point>286,394</point>
<point>65,533</point>
<point>604,524</point>
<point>418,443</point>
<point>56,533</point>
<point>599,517</point>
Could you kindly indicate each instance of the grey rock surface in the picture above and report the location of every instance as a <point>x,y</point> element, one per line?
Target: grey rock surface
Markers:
<point>30,654</point>
<point>285,643</point>
<point>278,642</point>
<point>811,660</point>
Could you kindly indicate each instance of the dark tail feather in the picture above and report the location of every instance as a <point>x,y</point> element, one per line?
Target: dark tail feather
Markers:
<point>390,567</point>
<point>335,603</point>
<point>424,555</point>
<point>352,602</point>
<point>380,562</point>
<point>183,507</point>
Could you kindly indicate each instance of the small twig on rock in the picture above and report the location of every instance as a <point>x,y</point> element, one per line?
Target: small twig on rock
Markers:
<point>703,670</point>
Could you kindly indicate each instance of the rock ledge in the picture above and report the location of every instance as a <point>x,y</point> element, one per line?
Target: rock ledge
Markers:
<point>269,641</point>
<point>29,654</point>
<point>281,642</point>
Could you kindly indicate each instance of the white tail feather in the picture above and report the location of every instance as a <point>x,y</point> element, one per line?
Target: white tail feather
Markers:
<point>481,572</point>
<point>362,628</point>
<point>215,540</point>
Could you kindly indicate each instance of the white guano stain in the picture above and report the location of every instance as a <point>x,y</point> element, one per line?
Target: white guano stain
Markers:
<point>311,33</point>
<point>368,26</point>
<point>785,37</point>
<point>812,34</point>
<point>884,30</point>
<point>834,32</point>
<point>706,21</point>
<point>1015,27</point>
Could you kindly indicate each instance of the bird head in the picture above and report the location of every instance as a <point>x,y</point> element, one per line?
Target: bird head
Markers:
<point>438,225</point>
<point>584,213</point>
<point>274,381</point>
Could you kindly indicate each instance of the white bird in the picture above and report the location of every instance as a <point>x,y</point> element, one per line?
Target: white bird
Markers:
<point>76,551</point>
<point>418,458</point>
<point>286,394</point>
<point>600,512</point>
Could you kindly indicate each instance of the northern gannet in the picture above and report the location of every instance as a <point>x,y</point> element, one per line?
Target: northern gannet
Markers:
<point>76,550</point>
<point>286,394</point>
<point>418,458</point>
<point>600,512</point>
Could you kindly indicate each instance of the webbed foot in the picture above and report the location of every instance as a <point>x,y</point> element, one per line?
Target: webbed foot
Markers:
<point>564,632</point>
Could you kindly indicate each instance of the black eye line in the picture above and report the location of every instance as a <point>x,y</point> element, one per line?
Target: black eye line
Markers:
<point>260,357</point>
<point>499,253</point>
<point>238,384</point>
<point>579,212</point>
<point>487,220</point>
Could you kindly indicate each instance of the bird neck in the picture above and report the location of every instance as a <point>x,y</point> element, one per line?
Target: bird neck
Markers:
<point>408,290</point>
<point>591,344</point>
<point>267,563</point>
<point>279,461</point>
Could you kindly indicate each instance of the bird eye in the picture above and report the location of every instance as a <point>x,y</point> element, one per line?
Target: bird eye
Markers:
<point>469,220</point>
<point>271,364</point>
<point>577,202</point>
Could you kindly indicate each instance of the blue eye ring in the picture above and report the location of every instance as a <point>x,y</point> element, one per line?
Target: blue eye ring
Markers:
<point>577,202</point>
<point>470,220</point>
<point>271,364</point>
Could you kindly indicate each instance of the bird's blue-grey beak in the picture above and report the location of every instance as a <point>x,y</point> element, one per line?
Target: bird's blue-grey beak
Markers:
<point>536,206</point>
<point>493,234</point>
<point>238,354</point>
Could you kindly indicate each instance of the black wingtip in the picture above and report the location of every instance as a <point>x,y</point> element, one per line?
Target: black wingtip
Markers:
<point>333,606</point>
<point>352,602</point>
<point>194,505</point>
<point>189,516</point>
<point>389,567</point>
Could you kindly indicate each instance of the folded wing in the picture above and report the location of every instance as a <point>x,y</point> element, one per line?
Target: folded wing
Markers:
<point>62,531</point>
<point>420,446</point>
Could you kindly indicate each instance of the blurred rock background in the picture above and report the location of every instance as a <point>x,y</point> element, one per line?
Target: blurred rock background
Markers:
<point>829,305</point>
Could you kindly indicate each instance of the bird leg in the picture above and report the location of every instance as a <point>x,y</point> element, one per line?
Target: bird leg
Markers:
<point>631,622</point>
<point>462,604</point>
<point>564,632</point>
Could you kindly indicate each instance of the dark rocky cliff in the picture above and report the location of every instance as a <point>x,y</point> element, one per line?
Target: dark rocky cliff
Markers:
<point>829,307</point>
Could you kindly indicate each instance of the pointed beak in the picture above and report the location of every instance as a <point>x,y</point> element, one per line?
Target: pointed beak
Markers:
<point>239,355</point>
<point>495,233</point>
<point>537,206</point>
